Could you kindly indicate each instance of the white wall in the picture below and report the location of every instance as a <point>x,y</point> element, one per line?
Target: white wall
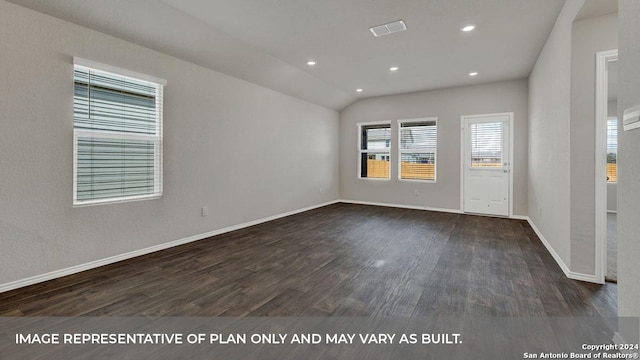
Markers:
<point>448,105</point>
<point>244,151</point>
<point>629,172</point>
<point>589,36</point>
<point>549,147</point>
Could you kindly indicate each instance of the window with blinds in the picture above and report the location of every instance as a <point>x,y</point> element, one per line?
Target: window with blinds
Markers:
<point>612,150</point>
<point>418,144</point>
<point>375,150</point>
<point>117,126</point>
<point>486,145</point>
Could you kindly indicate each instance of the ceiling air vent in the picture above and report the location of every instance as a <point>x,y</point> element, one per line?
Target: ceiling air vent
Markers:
<point>389,28</point>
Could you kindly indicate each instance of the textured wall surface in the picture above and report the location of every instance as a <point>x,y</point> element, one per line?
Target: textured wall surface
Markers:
<point>244,151</point>
<point>629,172</point>
<point>549,146</point>
<point>448,105</point>
<point>589,36</point>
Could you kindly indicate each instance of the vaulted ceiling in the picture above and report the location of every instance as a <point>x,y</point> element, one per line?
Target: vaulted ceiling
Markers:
<point>269,42</point>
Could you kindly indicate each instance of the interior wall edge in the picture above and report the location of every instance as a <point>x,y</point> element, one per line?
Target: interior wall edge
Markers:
<point>565,269</point>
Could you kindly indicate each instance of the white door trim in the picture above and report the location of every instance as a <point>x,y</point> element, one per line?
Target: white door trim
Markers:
<point>511,158</point>
<point>601,161</point>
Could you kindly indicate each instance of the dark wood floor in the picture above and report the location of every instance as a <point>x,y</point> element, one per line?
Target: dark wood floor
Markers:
<point>339,260</point>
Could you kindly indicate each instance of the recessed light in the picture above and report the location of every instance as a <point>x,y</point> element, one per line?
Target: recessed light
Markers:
<point>475,73</point>
<point>468,28</point>
<point>359,90</point>
<point>393,68</point>
<point>311,62</point>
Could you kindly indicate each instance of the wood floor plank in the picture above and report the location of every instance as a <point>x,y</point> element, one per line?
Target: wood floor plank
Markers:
<point>338,260</point>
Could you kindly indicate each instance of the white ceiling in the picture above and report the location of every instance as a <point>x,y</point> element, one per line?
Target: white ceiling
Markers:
<point>268,42</point>
<point>593,8</point>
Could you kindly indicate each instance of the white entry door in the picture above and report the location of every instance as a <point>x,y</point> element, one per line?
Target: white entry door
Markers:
<point>486,165</point>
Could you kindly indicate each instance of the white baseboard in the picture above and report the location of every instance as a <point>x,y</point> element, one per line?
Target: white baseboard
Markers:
<point>455,211</point>
<point>584,277</point>
<point>568,273</point>
<point>618,339</point>
<point>113,259</point>
<point>519,217</point>
<point>415,207</point>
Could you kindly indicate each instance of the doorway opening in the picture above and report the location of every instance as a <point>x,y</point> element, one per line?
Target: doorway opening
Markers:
<point>606,167</point>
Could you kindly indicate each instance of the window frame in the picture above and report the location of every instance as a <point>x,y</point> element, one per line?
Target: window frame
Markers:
<point>468,161</point>
<point>156,138</point>
<point>375,151</point>
<point>401,151</point>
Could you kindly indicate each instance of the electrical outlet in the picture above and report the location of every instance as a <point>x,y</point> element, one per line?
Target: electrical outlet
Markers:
<point>416,192</point>
<point>204,211</point>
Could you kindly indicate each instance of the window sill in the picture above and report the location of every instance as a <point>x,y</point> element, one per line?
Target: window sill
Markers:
<point>78,204</point>
<point>419,180</point>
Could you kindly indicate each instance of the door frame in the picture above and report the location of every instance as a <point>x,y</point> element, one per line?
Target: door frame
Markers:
<point>511,158</point>
<point>602,93</point>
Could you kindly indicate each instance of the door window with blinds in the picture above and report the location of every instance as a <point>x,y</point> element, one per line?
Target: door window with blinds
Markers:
<point>486,145</point>
<point>375,150</point>
<point>418,144</point>
<point>117,132</point>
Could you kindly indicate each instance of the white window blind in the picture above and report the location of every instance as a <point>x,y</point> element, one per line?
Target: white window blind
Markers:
<point>612,150</point>
<point>117,137</point>
<point>486,145</point>
<point>375,146</point>
<point>418,144</point>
